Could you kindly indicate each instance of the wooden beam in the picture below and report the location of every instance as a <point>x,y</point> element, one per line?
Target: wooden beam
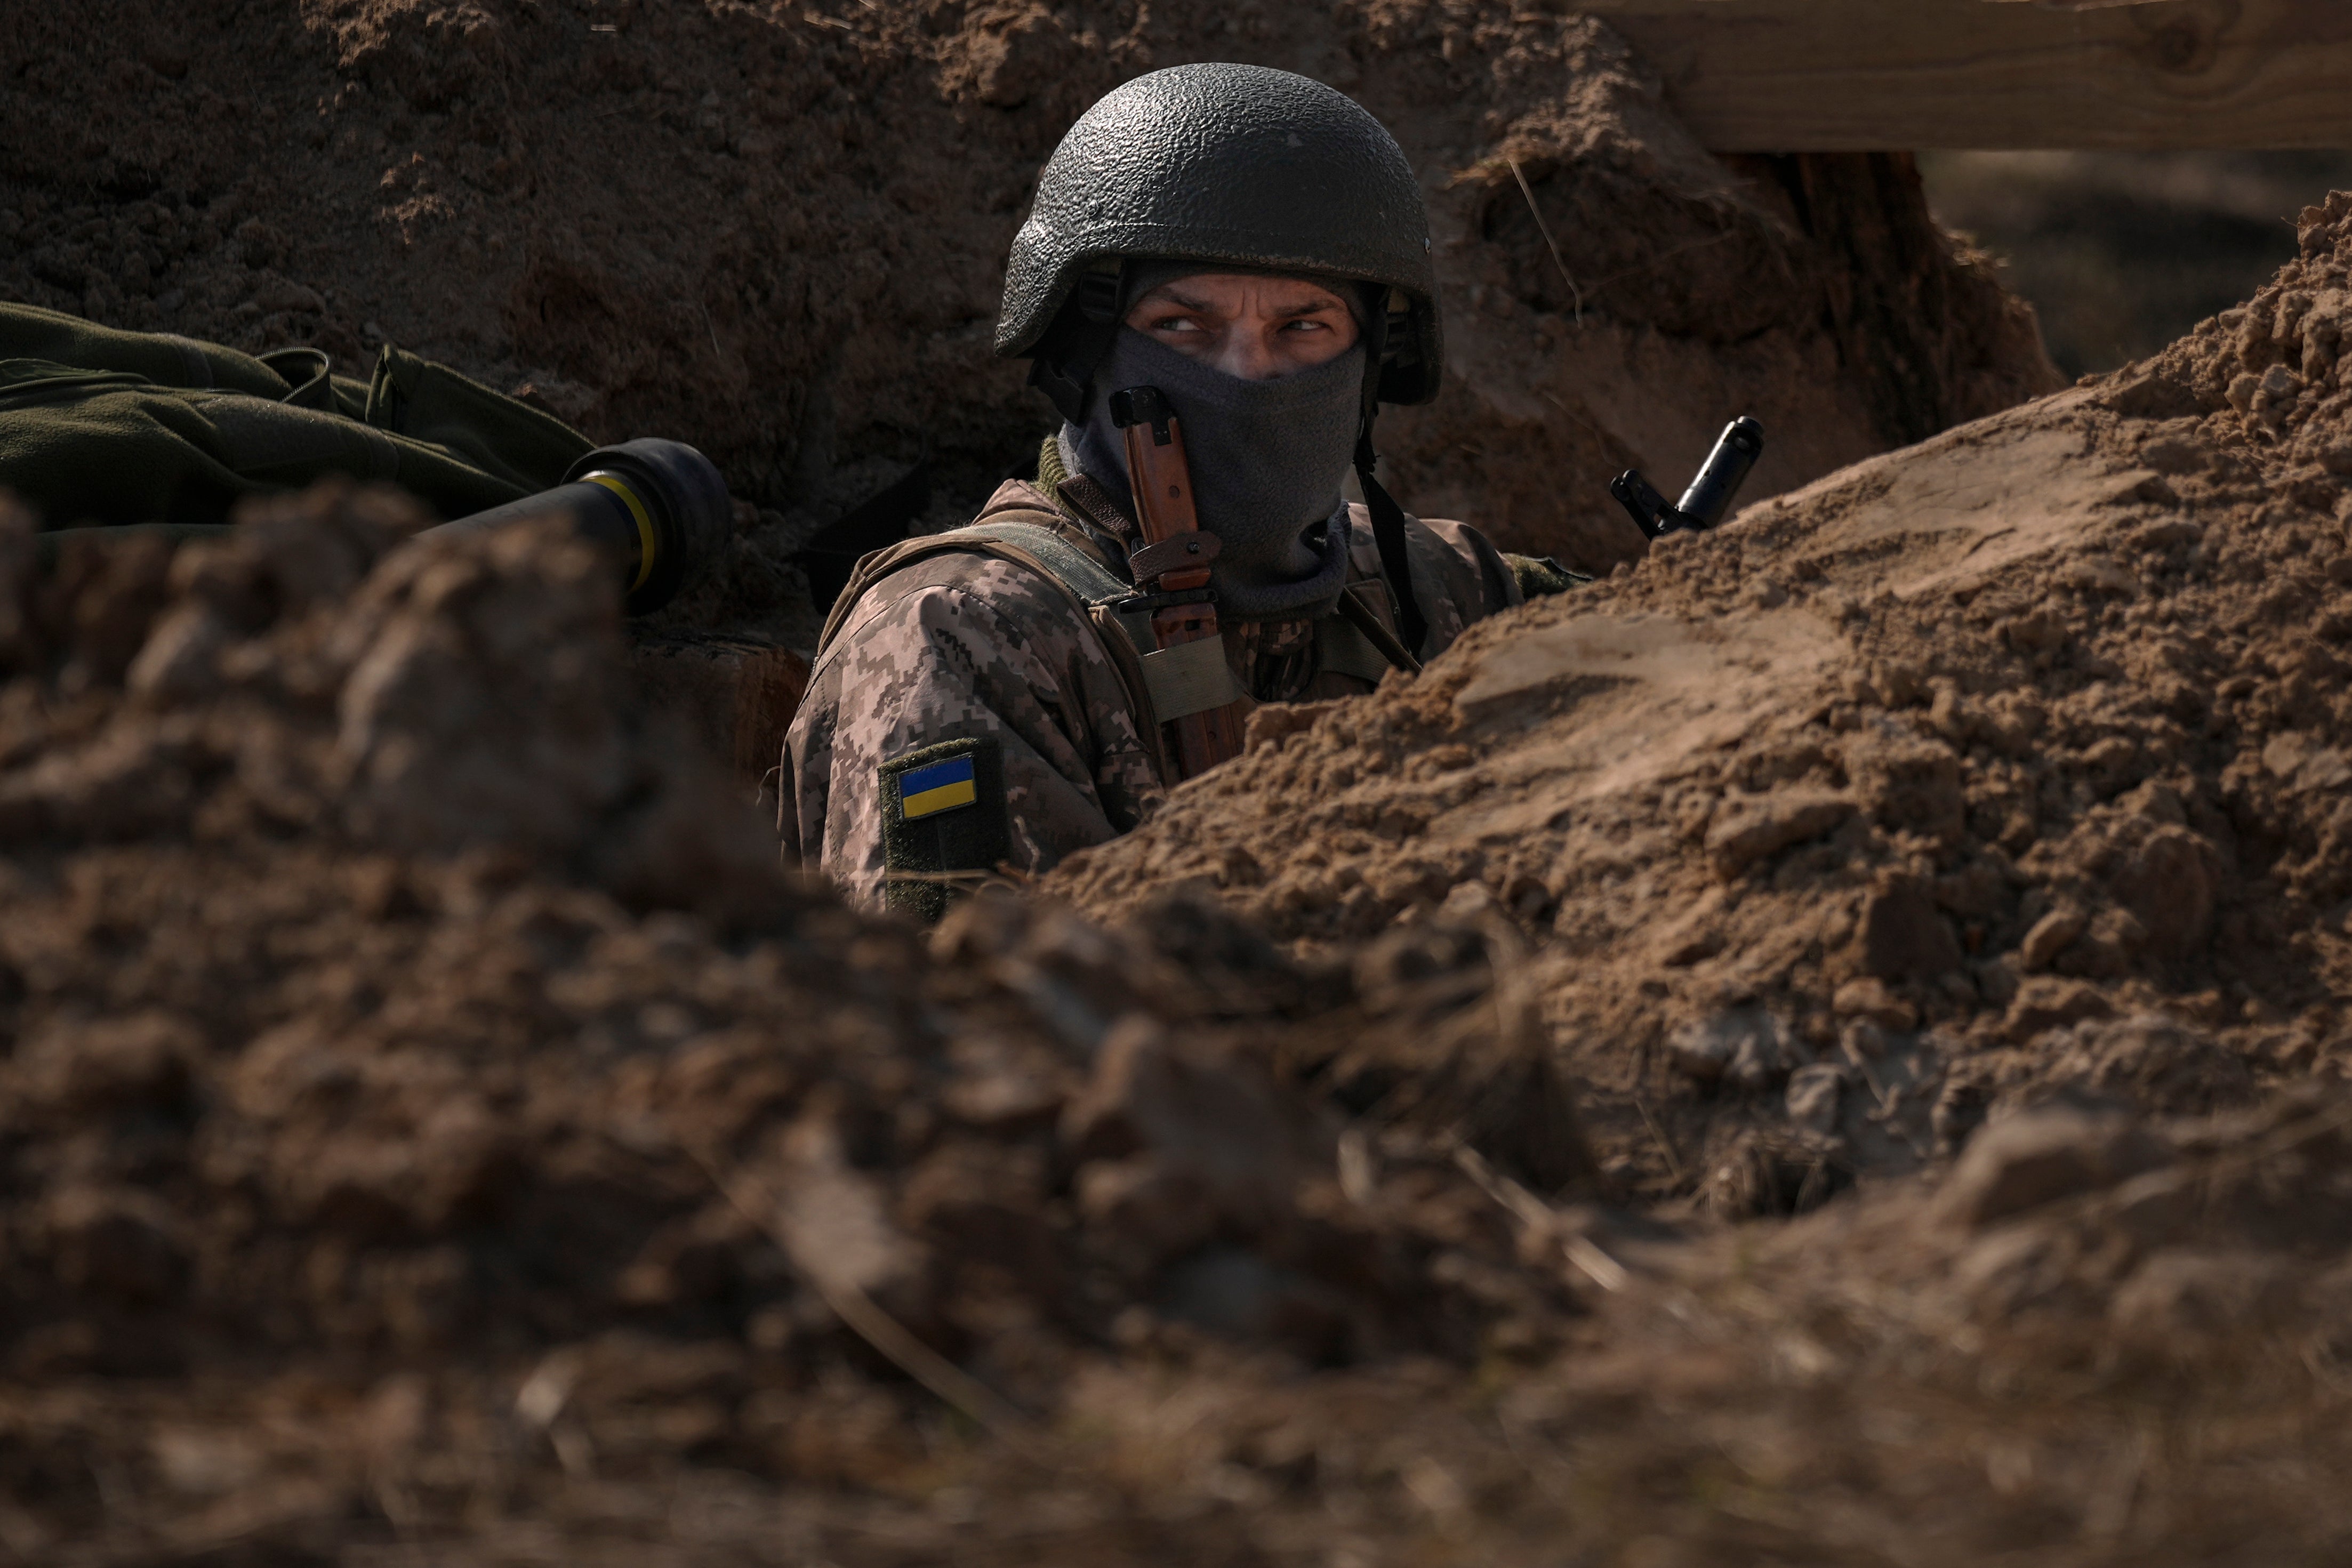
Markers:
<point>1828,76</point>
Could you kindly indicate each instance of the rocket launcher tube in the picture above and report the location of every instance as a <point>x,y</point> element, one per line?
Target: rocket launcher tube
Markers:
<point>660,506</point>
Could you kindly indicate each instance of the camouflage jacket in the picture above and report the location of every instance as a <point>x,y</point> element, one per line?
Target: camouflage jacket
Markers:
<point>960,677</point>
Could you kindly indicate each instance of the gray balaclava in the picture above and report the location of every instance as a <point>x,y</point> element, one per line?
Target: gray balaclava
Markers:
<point>1267,459</point>
<point>1224,167</point>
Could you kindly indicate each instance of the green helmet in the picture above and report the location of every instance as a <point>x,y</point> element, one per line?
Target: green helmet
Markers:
<point>1236,165</point>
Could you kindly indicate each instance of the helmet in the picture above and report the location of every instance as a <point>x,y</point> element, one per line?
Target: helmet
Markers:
<point>1224,164</point>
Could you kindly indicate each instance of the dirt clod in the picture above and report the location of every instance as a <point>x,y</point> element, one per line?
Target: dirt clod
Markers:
<point>405,992</point>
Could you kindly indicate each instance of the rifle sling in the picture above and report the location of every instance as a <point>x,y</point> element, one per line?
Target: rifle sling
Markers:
<point>1389,539</point>
<point>1359,617</point>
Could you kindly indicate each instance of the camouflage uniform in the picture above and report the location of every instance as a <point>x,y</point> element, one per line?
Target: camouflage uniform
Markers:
<point>964,645</point>
<point>967,711</point>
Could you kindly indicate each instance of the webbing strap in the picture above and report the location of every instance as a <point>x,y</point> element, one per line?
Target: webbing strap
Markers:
<point>1163,684</point>
<point>1086,580</point>
<point>1096,595</point>
<point>1189,678</point>
<point>1388,537</point>
<point>1078,572</point>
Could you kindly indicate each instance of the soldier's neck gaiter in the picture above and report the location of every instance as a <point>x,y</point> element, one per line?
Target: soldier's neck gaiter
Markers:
<point>1267,458</point>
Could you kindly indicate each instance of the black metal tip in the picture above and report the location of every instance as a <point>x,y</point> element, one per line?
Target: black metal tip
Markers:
<point>1139,405</point>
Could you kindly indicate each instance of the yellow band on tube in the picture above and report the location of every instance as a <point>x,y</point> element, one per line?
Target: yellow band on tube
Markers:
<point>646,542</point>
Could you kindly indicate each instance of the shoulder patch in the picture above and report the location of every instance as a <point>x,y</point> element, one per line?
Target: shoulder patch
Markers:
<point>943,824</point>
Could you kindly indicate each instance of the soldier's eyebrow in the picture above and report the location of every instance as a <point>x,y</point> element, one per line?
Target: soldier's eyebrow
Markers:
<point>1166,294</point>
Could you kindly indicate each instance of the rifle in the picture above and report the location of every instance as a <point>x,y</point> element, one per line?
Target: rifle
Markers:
<point>1710,496</point>
<point>1172,570</point>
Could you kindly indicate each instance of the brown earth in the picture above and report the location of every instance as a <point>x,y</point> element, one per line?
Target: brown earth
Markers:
<point>435,1126</point>
<point>425,1087</point>
<point>1969,812</point>
<point>778,232</point>
<point>2033,727</point>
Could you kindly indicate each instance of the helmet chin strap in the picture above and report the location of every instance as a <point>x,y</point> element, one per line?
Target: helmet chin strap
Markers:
<point>1388,517</point>
<point>1388,537</point>
<point>1064,369</point>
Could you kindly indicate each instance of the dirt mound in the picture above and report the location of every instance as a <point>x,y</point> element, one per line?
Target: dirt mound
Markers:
<point>434,1122</point>
<point>779,233</point>
<point>423,1081</point>
<point>1999,765</point>
<point>2083,1347</point>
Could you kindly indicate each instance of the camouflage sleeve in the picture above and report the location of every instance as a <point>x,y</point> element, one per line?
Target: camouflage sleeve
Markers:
<point>1457,576</point>
<point>1540,575</point>
<point>962,648</point>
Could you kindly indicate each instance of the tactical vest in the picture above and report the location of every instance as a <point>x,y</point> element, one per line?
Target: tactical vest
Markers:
<point>1162,684</point>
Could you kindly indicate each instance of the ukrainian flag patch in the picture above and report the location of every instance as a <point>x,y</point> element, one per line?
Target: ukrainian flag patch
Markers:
<point>944,822</point>
<point>942,787</point>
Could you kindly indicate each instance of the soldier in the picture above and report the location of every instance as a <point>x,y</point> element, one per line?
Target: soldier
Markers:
<point>1254,245</point>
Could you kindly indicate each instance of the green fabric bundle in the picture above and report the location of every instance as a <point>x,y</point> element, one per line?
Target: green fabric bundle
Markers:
<point>99,425</point>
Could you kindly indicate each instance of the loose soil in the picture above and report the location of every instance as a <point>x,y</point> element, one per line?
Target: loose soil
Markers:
<point>435,1125</point>
<point>1823,1047</point>
<point>1967,813</point>
<point>428,1102</point>
<point>2031,726</point>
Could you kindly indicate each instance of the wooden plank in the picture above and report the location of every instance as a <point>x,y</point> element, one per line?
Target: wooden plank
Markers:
<point>1828,76</point>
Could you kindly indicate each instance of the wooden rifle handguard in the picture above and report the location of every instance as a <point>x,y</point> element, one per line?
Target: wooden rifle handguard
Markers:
<point>1175,560</point>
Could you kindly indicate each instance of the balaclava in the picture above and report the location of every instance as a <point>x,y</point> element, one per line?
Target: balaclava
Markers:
<point>1267,459</point>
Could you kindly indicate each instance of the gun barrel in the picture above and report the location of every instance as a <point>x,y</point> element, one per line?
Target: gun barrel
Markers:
<point>1736,451</point>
